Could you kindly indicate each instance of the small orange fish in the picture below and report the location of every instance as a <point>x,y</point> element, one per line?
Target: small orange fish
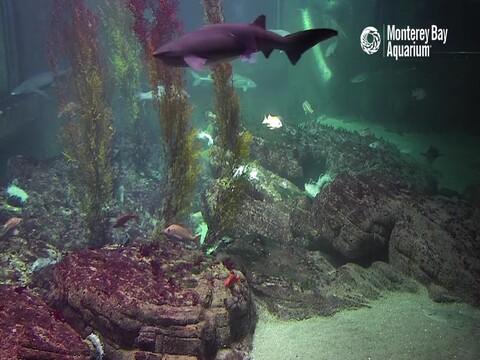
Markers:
<point>10,227</point>
<point>123,219</point>
<point>232,280</point>
<point>178,232</point>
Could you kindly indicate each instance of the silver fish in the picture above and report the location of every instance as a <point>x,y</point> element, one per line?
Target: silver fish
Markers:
<point>239,81</point>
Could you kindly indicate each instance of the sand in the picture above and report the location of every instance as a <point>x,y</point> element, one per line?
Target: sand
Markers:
<point>398,326</point>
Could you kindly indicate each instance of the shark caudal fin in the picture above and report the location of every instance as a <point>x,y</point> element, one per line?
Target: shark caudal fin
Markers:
<point>301,41</point>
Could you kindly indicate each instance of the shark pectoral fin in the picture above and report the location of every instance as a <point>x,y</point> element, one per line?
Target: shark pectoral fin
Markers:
<point>195,62</point>
<point>43,93</point>
<point>267,52</point>
<point>244,88</point>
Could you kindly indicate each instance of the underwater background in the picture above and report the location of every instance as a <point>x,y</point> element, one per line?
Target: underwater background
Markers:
<point>254,209</point>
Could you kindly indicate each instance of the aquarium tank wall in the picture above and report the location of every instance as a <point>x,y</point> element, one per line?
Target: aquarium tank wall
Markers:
<point>239,179</point>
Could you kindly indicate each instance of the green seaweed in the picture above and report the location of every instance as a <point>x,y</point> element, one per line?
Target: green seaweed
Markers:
<point>87,139</point>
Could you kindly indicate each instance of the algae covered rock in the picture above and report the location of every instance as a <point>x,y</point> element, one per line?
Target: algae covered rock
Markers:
<point>154,299</point>
<point>29,329</point>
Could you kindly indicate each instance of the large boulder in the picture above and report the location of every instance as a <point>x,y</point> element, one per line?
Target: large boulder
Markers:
<point>435,239</point>
<point>30,330</point>
<point>152,300</point>
<point>294,282</point>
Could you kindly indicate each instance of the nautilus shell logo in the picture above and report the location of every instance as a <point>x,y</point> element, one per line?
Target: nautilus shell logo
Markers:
<point>370,40</point>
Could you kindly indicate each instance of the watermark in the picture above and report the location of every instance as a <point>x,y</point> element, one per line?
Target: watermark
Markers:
<point>404,42</point>
<point>370,40</point>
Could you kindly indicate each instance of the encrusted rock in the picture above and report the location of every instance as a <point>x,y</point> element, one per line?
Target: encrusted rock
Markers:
<point>354,216</point>
<point>435,239</point>
<point>293,282</point>
<point>154,298</point>
<point>29,329</point>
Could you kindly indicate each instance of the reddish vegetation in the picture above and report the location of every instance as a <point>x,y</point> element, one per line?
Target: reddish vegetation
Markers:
<point>163,28</point>
<point>30,330</point>
<point>158,279</point>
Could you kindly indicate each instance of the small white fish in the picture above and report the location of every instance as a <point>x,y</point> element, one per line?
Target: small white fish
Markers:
<point>238,81</point>
<point>364,76</point>
<point>148,95</point>
<point>272,122</point>
<point>331,49</point>
<point>205,135</point>
<point>419,94</point>
<point>307,108</point>
<point>253,174</point>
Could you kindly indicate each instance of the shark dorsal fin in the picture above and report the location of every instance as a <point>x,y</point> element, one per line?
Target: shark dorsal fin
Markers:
<point>259,21</point>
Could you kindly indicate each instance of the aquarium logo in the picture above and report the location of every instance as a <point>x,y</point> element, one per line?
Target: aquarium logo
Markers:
<point>370,40</point>
<point>404,42</point>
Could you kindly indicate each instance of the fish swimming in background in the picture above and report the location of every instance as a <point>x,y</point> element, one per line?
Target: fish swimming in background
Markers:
<point>272,122</point>
<point>217,43</point>
<point>36,82</point>
<point>364,76</point>
<point>432,154</point>
<point>180,233</point>
<point>148,95</point>
<point>232,279</point>
<point>238,81</point>
<point>332,49</point>
<point>123,219</point>
<point>307,108</point>
<point>10,228</point>
<point>419,94</point>
<point>203,135</point>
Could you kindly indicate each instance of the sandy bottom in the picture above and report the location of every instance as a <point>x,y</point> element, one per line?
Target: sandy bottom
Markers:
<point>398,326</point>
<point>458,167</point>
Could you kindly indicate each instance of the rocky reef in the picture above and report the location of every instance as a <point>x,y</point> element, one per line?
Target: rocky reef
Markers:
<point>154,299</point>
<point>29,329</point>
<point>378,224</point>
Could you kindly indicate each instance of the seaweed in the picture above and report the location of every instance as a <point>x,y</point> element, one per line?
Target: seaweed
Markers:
<point>234,143</point>
<point>87,138</point>
<point>125,61</point>
<point>180,147</point>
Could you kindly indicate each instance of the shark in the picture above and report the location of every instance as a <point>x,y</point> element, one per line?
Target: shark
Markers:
<point>36,82</point>
<point>224,42</point>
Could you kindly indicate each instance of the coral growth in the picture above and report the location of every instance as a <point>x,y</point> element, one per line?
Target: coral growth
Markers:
<point>173,109</point>
<point>87,139</point>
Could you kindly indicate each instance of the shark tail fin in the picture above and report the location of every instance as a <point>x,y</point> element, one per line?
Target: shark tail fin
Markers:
<point>197,78</point>
<point>299,42</point>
